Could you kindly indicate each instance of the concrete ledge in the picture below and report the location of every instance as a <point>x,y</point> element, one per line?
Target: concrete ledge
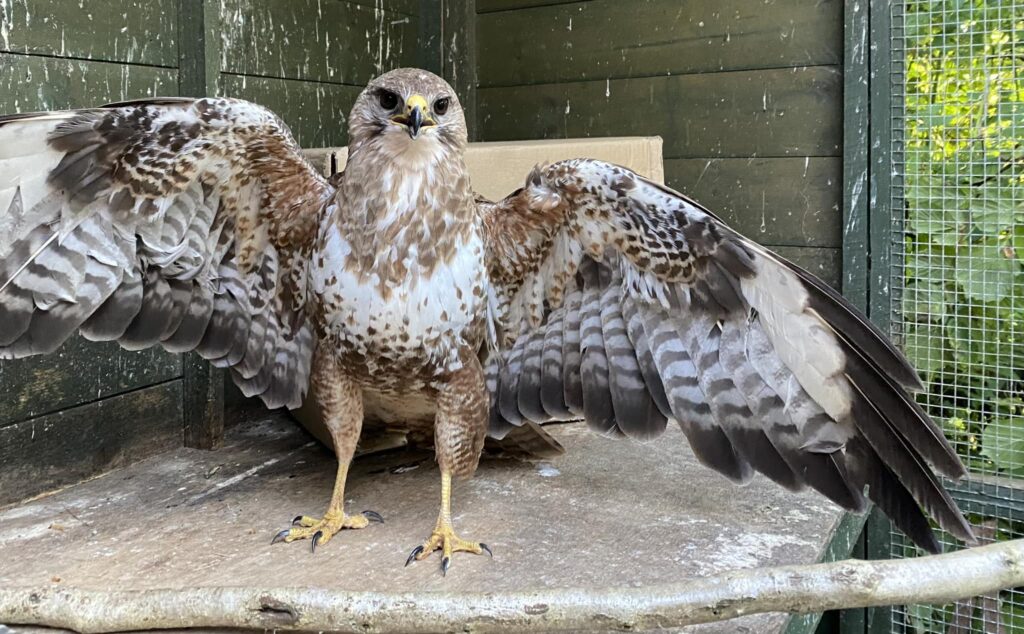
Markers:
<point>609,513</point>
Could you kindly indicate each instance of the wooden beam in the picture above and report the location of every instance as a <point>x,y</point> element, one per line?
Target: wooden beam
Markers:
<point>199,48</point>
<point>45,453</point>
<point>202,403</point>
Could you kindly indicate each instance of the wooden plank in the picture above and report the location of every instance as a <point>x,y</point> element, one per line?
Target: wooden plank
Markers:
<point>856,109</point>
<point>331,41</point>
<point>611,38</point>
<point>782,201</point>
<point>765,113</point>
<point>105,30</point>
<point>408,7</point>
<point>203,403</point>
<point>845,538</point>
<point>486,6</point>
<point>79,372</point>
<point>430,41</point>
<point>459,54</point>
<point>824,262</point>
<point>30,83</point>
<point>199,61</point>
<point>316,113</point>
<point>45,453</point>
<point>880,165</point>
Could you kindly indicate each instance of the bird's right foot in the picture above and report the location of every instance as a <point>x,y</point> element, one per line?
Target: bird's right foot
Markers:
<point>320,531</point>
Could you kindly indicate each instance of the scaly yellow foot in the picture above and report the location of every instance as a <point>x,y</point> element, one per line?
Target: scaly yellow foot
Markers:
<point>444,538</point>
<point>320,531</point>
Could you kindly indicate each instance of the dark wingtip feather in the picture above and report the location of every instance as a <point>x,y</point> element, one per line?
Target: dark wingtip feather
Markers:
<point>891,496</point>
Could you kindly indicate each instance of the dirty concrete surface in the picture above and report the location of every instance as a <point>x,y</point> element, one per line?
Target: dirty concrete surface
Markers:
<point>607,513</point>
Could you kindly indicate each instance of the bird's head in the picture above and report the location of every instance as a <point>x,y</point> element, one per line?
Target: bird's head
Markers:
<point>408,109</point>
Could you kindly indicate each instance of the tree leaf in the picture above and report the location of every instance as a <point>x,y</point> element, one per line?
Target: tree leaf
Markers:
<point>984,272</point>
<point>1003,442</point>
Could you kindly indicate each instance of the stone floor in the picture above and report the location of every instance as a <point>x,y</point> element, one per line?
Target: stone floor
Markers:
<point>608,513</point>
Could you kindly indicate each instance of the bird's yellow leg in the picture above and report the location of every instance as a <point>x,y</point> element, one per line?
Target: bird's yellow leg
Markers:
<point>341,404</point>
<point>443,537</point>
<point>320,531</point>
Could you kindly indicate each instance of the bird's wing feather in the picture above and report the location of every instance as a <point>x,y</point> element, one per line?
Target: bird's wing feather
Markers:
<point>623,302</point>
<point>182,223</point>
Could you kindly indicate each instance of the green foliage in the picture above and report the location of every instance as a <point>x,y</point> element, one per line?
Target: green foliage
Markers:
<point>964,231</point>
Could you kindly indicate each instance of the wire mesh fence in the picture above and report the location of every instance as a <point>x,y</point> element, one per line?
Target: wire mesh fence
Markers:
<point>957,82</point>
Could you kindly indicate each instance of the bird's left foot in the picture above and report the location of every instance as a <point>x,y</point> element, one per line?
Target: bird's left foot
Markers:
<point>444,539</point>
<point>320,531</point>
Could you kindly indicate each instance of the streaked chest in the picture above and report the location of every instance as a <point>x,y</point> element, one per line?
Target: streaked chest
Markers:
<point>397,308</point>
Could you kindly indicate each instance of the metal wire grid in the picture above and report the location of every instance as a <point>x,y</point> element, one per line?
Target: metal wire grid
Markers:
<point>957,82</point>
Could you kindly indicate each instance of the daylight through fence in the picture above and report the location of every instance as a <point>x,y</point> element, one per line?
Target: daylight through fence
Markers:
<point>957,81</point>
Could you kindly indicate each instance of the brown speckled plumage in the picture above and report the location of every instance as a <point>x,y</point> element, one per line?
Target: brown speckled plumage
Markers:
<point>591,292</point>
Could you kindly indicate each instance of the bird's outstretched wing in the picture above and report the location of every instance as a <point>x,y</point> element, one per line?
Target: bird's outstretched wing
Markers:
<point>179,222</point>
<point>623,302</point>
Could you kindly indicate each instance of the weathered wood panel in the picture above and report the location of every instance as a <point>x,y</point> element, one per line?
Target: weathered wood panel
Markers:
<point>767,113</point>
<point>324,41</point>
<point>79,372</point>
<point>107,30</point>
<point>611,38</point>
<point>30,83</point>
<point>408,7</point>
<point>316,113</point>
<point>45,453</point>
<point>777,201</point>
<point>486,6</point>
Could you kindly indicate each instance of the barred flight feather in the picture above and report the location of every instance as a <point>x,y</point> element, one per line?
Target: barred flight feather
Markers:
<point>763,366</point>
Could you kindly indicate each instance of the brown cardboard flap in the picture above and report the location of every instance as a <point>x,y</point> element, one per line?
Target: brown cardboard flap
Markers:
<point>499,168</point>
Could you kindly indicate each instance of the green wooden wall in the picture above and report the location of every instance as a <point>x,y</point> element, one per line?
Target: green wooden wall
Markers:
<point>91,407</point>
<point>746,94</point>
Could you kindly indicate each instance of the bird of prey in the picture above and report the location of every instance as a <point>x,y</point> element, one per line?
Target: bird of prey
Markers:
<point>407,301</point>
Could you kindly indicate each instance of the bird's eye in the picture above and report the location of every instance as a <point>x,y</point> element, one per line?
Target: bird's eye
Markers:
<point>441,105</point>
<point>388,100</point>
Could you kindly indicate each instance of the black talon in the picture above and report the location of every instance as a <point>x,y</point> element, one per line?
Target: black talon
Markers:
<point>297,521</point>
<point>446,563</point>
<point>373,516</point>
<point>316,537</point>
<point>487,549</point>
<point>280,536</point>
<point>412,555</point>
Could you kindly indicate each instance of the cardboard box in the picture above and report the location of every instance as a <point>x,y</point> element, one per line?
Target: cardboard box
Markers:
<point>497,169</point>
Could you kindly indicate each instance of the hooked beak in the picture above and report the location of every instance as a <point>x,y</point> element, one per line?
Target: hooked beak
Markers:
<point>414,118</point>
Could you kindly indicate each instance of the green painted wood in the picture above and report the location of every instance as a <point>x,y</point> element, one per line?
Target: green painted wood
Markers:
<point>780,201</point>
<point>611,38</point>
<point>106,30</point>
<point>878,544</point>
<point>430,41</point>
<point>844,540</point>
<point>880,166</point>
<point>51,451</point>
<point>316,113</point>
<point>824,262</point>
<point>29,83</point>
<point>323,41</point>
<point>79,372</point>
<point>459,55</point>
<point>485,6</point>
<point>203,399</point>
<point>408,7</point>
<point>765,113</point>
<point>856,109</point>
<point>199,61</point>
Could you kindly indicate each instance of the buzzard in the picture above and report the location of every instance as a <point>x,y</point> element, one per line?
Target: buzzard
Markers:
<point>409,302</point>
